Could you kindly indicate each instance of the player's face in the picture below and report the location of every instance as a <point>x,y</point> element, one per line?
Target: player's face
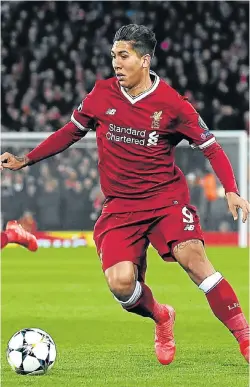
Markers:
<point>128,64</point>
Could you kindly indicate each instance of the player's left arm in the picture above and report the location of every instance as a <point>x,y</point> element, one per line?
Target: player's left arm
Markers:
<point>193,127</point>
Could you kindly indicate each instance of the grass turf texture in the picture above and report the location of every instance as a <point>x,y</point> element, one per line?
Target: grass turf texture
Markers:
<point>63,291</point>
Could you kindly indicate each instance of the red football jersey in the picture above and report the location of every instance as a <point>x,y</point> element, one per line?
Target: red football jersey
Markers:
<point>136,140</point>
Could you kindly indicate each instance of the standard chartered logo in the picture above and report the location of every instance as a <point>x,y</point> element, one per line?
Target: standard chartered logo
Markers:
<point>153,138</point>
<point>131,136</point>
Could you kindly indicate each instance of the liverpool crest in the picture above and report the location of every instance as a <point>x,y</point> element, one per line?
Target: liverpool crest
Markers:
<point>156,117</point>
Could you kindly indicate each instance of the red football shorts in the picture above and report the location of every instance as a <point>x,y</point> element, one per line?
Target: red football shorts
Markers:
<point>126,236</point>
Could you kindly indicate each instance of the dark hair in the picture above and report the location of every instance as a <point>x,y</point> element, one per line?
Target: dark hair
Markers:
<point>142,38</point>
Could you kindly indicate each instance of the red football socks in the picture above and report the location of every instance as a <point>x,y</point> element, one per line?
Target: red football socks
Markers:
<point>4,239</point>
<point>225,305</point>
<point>146,306</point>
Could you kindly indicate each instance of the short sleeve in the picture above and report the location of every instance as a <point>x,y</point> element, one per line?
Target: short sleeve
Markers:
<point>84,116</point>
<point>192,125</point>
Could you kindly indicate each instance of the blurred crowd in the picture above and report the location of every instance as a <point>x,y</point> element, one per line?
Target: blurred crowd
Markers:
<point>63,192</point>
<point>52,53</point>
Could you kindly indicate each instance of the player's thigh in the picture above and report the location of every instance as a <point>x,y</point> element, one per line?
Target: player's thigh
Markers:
<point>176,224</point>
<point>119,240</point>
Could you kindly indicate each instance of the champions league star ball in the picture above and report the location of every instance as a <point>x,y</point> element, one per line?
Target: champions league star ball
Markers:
<point>31,351</point>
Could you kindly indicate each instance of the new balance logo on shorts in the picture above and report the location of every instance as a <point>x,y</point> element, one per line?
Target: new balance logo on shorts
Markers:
<point>111,112</point>
<point>153,138</point>
<point>189,227</point>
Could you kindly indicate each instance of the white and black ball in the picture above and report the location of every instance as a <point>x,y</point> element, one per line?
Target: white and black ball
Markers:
<point>31,351</point>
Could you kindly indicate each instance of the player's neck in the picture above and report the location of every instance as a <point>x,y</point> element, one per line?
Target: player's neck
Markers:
<point>144,85</point>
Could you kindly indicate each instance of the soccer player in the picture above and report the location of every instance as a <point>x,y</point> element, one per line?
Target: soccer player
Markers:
<point>14,233</point>
<point>139,119</point>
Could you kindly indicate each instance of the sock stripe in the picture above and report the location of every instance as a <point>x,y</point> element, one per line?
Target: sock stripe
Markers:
<point>210,282</point>
<point>214,285</point>
<point>134,298</point>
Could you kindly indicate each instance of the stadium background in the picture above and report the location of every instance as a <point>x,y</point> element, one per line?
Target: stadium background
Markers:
<point>52,53</point>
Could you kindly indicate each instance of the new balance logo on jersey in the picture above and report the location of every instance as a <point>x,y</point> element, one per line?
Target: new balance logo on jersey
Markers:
<point>153,138</point>
<point>189,227</point>
<point>111,112</point>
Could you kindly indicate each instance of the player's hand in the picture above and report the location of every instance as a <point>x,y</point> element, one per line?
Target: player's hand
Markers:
<point>235,202</point>
<point>12,162</point>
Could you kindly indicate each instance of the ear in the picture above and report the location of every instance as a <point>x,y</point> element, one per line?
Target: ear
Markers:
<point>146,61</point>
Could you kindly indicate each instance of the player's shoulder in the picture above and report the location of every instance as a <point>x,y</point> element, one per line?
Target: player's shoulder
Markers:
<point>168,90</point>
<point>102,84</point>
<point>94,100</point>
<point>172,98</point>
<point>100,87</point>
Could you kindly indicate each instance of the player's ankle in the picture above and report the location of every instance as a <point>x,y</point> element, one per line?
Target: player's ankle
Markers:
<point>158,314</point>
<point>242,335</point>
<point>239,327</point>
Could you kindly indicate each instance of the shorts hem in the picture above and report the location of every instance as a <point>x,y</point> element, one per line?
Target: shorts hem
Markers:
<point>177,242</point>
<point>111,264</point>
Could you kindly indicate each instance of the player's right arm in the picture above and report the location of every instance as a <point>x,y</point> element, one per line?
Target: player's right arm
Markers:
<point>82,120</point>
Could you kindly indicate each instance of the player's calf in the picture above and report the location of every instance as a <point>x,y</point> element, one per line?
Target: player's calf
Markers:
<point>192,257</point>
<point>219,293</point>
<point>134,296</point>
<point>226,307</point>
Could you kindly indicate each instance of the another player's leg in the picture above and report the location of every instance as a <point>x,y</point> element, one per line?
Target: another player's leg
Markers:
<point>219,293</point>
<point>14,233</point>
<point>4,239</point>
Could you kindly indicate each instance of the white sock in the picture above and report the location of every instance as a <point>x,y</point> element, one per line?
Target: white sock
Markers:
<point>134,298</point>
<point>210,282</point>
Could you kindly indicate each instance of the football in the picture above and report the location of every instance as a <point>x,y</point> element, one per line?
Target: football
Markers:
<point>31,351</point>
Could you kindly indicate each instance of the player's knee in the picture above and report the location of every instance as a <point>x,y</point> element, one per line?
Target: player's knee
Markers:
<point>121,281</point>
<point>121,286</point>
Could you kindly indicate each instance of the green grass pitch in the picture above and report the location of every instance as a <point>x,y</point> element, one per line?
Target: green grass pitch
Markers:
<point>63,291</point>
